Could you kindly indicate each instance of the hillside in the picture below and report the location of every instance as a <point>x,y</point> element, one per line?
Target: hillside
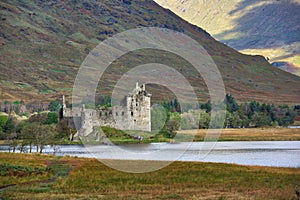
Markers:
<point>269,28</point>
<point>43,43</point>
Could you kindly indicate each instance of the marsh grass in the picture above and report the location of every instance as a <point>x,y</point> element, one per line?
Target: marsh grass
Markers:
<point>89,179</point>
<point>249,134</point>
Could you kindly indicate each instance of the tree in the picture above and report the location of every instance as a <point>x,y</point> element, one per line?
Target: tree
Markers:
<point>3,120</point>
<point>297,108</point>
<point>106,101</point>
<point>204,120</point>
<point>244,120</point>
<point>9,126</point>
<point>233,120</point>
<point>176,105</point>
<point>12,141</point>
<point>288,119</point>
<point>206,106</point>
<point>190,119</point>
<point>254,107</point>
<point>263,108</point>
<point>172,127</point>
<point>28,134</point>
<point>260,120</point>
<point>44,135</point>
<point>10,129</point>
<point>54,106</point>
<point>52,118</point>
<point>231,104</point>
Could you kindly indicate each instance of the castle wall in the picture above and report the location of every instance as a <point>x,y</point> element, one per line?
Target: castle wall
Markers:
<point>134,115</point>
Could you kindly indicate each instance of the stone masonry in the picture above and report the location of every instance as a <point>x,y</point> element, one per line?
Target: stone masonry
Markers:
<point>133,114</point>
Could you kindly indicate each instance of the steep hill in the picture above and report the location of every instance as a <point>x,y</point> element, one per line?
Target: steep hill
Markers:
<point>269,28</point>
<point>44,42</point>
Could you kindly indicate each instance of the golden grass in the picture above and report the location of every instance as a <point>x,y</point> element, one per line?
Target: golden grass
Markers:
<point>90,179</point>
<point>33,161</point>
<point>249,134</point>
<point>278,55</point>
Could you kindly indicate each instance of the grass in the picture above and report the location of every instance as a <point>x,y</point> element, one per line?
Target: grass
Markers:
<point>31,169</point>
<point>9,173</point>
<point>90,179</point>
<point>129,136</point>
<point>249,134</point>
<point>230,134</point>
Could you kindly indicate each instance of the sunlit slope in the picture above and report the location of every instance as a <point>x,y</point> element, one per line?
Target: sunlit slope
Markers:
<point>269,28</point>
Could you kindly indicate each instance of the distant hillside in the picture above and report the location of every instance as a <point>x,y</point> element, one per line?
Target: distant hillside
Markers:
<point>269,28</point>
<point>44,42</point>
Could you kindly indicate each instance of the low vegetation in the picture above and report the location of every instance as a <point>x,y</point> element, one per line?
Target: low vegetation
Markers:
<point>78,178</point>
<point>248,134</point>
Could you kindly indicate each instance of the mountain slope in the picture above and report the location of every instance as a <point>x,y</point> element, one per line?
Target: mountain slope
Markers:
<point>44,42</point>
<point>269,28</point>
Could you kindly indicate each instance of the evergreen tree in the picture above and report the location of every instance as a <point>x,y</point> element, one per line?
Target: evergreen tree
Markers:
<point>231,104</point>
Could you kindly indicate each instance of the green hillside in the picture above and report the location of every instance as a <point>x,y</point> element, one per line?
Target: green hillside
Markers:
<point>43,43</point>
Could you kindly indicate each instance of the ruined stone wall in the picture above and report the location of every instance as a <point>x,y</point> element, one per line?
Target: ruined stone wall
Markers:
<point>134,115</point>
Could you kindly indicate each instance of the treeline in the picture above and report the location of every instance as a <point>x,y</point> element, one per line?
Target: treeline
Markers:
<point>255,114</point>
<point>36,131</point>
<point>245,115</point>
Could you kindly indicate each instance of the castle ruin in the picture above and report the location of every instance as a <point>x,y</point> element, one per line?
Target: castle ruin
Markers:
<point>132,114</point>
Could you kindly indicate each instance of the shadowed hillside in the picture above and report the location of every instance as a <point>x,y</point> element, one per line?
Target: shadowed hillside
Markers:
<point>43,43</point>
<point>269,28</point>
<point>263,26</point>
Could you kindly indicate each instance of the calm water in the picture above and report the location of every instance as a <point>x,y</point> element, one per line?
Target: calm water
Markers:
<point>266,153</point>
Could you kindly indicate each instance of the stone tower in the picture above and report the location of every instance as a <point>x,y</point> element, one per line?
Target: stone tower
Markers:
<point>139,109</point>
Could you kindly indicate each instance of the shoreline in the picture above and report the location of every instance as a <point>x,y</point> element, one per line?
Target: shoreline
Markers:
<point>198,135</point>
<point>260,153</point>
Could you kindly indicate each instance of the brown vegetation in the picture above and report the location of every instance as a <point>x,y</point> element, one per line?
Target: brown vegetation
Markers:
<point>90,179</point>
<point>249,134</point>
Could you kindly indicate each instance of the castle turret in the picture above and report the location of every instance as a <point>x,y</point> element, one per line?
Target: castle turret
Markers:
<point>62,110</point>
<point>138,109</point>
<point>63,101</point>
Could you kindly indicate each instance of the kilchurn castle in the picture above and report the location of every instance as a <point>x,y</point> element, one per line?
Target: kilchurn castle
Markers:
<point>134,113</point>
